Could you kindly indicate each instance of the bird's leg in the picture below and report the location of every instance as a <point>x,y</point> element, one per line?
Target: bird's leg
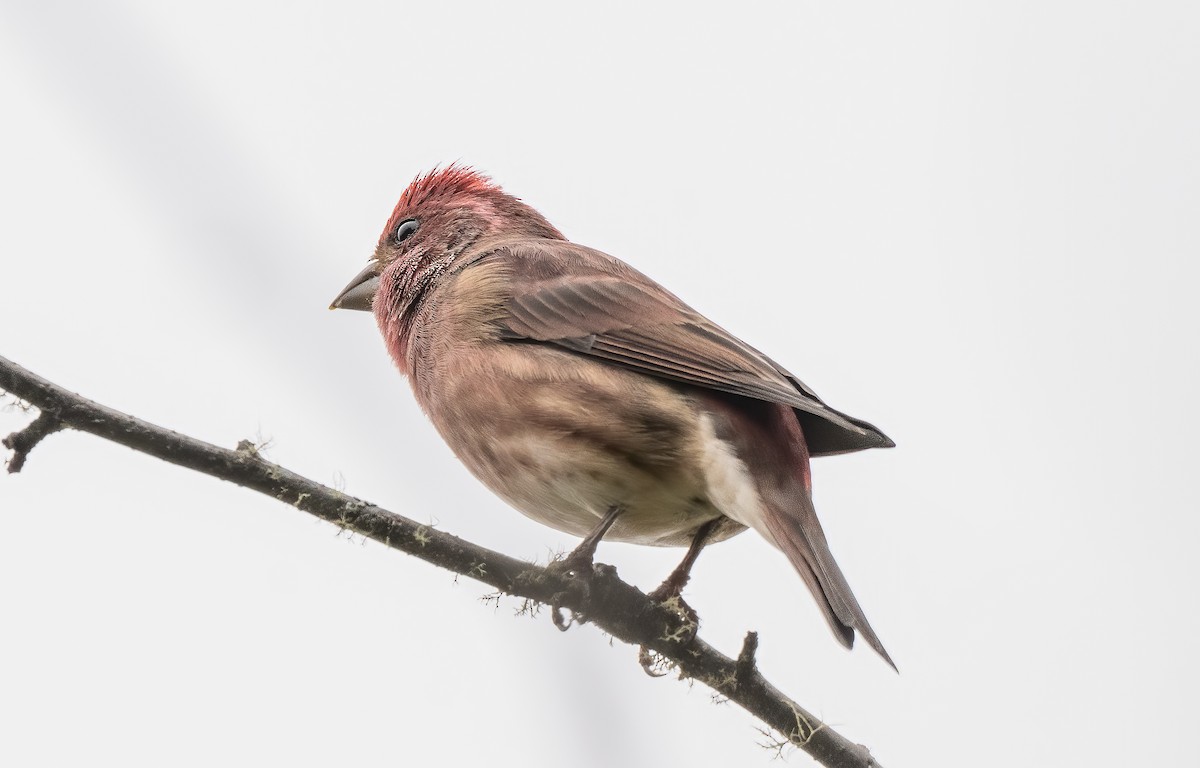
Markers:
<point>579,564</point>
<point>675,583</point>
<point>580,559</point>
<point>668,594</point>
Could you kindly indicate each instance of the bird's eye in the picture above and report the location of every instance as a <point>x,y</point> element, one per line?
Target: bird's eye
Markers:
<point>405,230</point>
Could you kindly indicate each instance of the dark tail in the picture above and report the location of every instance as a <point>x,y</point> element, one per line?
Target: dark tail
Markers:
<point>798,533</point>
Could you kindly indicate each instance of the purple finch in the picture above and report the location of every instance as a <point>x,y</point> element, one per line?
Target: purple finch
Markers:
<point>592,399</point>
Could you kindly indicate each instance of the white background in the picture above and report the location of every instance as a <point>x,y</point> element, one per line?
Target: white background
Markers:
<point>970,223</point>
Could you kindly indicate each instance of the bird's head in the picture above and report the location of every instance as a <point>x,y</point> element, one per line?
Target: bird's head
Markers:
<point>440,215</point>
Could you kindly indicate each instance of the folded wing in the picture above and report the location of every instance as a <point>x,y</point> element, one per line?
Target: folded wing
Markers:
<point>592,304</point>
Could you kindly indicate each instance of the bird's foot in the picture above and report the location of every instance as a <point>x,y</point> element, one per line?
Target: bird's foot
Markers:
<point>580,580</point>
<point>681,630</point>
<point>669,595</point>
<point>580,568</point>
<point>689,620</point>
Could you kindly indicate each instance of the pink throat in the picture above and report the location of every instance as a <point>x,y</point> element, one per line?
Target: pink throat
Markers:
<point>395,323</point>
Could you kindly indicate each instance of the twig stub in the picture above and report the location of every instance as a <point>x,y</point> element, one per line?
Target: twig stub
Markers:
<point>24,440</point>
<point>745,666</point>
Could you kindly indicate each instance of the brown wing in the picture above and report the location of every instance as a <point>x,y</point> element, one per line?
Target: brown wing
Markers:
<point>592,304</point>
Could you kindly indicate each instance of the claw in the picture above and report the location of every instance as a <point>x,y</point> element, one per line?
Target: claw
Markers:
<point>653,664</point>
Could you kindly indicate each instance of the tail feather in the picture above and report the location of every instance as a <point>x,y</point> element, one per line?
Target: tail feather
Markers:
<point>772,452</point>
<point>801,538</point>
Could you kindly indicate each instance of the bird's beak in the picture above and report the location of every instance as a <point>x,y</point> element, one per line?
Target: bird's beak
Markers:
<point>361,290</point>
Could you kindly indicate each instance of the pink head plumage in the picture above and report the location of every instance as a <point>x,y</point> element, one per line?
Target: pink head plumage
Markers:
<point>446,186</point>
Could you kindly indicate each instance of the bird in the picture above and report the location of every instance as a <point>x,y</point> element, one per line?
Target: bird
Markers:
<point>592,399</point>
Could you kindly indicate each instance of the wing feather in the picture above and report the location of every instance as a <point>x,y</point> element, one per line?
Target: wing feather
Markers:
<point>592,304</point>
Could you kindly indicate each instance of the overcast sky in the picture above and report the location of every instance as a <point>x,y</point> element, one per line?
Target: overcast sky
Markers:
<point>972,224</point>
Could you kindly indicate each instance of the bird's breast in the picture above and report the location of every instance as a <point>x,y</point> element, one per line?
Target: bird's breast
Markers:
<point>563,438</point>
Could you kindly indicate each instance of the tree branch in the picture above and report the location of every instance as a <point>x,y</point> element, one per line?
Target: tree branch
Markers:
<point>617,608</point>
